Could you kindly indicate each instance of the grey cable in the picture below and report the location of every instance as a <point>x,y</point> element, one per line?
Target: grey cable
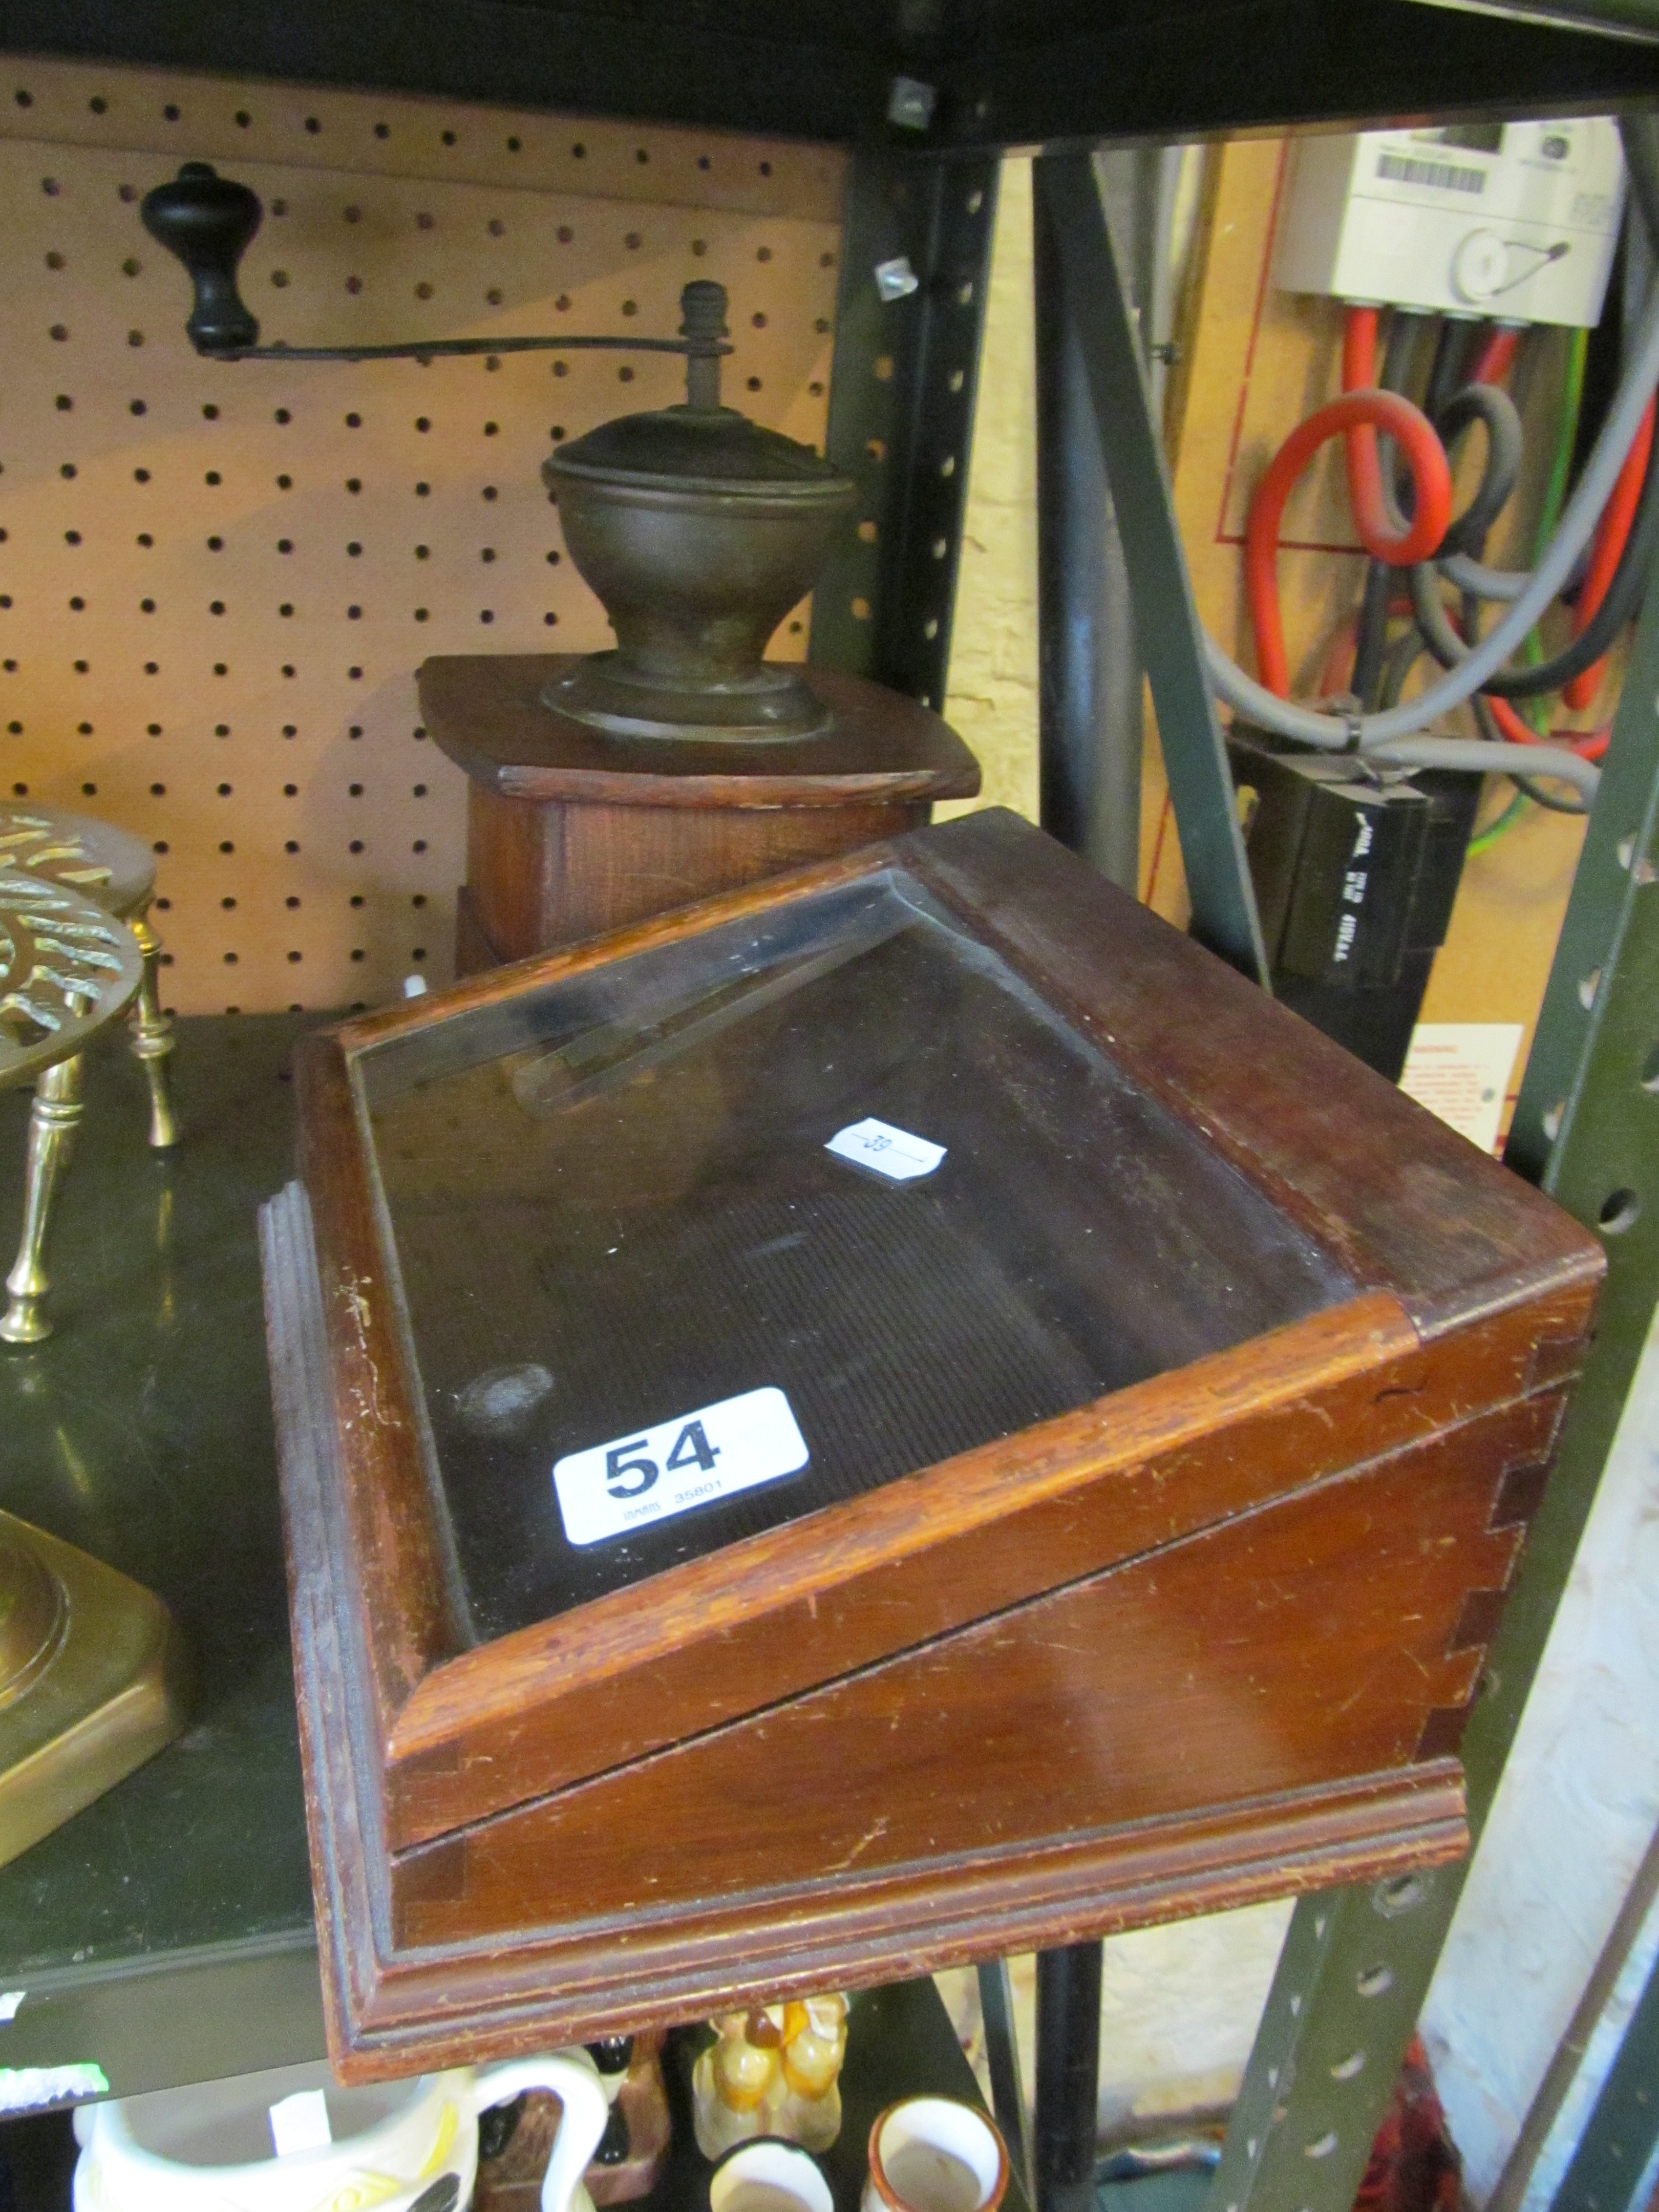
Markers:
<point>1578,520</point>
<point>1582,511</point>
<point>1472,575</point>
<point>1640,136</point>
<point>1477,757</point>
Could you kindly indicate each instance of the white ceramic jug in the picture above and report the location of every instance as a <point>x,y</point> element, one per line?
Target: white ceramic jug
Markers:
<point>396,2147</point>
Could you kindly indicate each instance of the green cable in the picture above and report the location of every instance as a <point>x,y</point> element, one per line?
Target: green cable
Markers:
<point>1537,711</point>
<point>1495,828</point>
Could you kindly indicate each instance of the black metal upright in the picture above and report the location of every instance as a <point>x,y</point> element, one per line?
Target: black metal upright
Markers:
<point>1090,662</point>
<point>1068,2076</point>
<point>915,260</point>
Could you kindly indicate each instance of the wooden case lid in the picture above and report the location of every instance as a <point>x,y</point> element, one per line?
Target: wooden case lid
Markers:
<point>601,1192</point>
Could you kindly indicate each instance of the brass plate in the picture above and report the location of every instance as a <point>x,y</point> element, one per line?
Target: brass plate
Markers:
<point>107,1700</point>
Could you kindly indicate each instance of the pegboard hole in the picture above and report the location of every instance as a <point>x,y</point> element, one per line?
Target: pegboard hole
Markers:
<point>1346,2069</point>
<point>1322,2147</point>
<point>1620,1210</point>
<point>882,368</point>
<point>860,610</point>
<point>974,202</point>
<point>1374,1981</point>
<point>867,532</point>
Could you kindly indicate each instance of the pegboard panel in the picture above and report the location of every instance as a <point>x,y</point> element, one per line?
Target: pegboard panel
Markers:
<point>217,579</point>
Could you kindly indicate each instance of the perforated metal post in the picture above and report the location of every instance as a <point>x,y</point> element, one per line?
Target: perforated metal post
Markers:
<point>1357,1965</point>
<point>901,412</point>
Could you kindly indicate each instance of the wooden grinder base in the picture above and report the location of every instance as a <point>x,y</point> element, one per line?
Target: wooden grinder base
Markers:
<point>571,832</point>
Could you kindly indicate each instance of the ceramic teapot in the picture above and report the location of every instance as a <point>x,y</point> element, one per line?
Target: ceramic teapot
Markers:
<point>396,2146</point>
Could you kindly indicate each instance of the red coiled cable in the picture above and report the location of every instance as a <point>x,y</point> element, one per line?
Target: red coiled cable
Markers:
<point>1423,450</point>
<point>1362,414</point>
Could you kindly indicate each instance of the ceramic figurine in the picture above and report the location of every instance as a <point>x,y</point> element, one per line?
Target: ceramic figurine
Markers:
<point>775,2072</point>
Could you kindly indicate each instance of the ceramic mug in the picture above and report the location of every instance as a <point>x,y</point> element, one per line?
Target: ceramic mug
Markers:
<point>935,2155</point>
<point>398,2146</point>
<point>768,2174</point>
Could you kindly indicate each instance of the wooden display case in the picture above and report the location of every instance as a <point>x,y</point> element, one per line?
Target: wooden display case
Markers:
<point>1161,1451</point>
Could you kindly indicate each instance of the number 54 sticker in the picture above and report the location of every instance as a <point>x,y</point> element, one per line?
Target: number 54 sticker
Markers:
<point>678,1466</point>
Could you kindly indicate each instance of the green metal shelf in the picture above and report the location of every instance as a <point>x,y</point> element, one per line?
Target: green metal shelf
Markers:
<point>166,1933</point>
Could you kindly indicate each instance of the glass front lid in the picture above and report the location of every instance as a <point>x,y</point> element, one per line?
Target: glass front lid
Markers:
<point>722,1234</point>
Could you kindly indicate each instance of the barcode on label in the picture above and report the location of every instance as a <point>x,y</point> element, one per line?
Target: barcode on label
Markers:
<point>1445,176</point>
<point>674,1467</point>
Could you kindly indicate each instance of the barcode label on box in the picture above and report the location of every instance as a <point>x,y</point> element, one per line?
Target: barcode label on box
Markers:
<point>1443,176</point>
<point>614,1489</point>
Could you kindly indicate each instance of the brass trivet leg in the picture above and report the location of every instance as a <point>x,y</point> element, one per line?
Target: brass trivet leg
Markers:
<point>152,1036</point>
<point>52,1122</point>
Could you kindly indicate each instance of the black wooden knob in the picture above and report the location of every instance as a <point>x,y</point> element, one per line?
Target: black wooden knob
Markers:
<point>208,221</point>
